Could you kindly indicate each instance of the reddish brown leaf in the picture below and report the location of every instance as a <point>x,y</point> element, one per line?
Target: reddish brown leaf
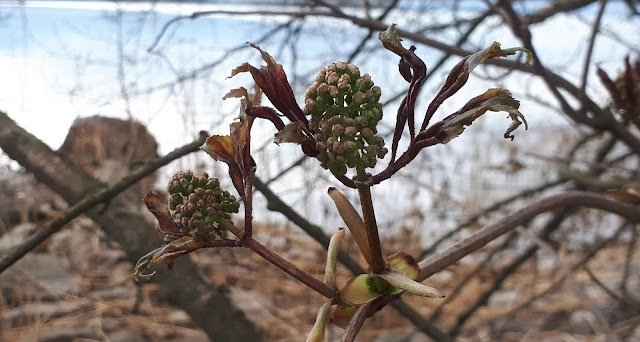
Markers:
<point>159,209</point>
<point>273,81</point>
<point>291,133</point>
<point>496,100</point>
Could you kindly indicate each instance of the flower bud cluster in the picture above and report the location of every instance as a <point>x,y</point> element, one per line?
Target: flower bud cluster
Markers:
<point>199,207</point>
<point>345,110</point>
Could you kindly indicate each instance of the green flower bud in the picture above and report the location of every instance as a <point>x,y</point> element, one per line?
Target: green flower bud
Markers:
<point>199,207</point>
<point>344,110</point>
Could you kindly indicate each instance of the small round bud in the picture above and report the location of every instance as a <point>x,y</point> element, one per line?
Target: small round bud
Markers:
<point>367,132</point>
<point>332,78</point>
<point>337,130</point>
<point>198,206</point>
<point>333,90</point>
<point>350,131</point>
<point>343,82</point>
<point>344,110</point>
<point>359,97</point>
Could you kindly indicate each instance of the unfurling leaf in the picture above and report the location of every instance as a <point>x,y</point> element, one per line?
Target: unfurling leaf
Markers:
<point>342,314</point>
<point>159,209</point>
<point>354,222</point>
<point>401,281</point>
<point>291,133</point>
<point>391,41</point>
<point>251,106</point>
<point>273,82</point>
<point>363,289</point>
<point>491,52</point>
<point>629,194</point>
<point>167,254</point>
<point>495,100</point>
<point>234,150</point>
<point>317,332</point>
<point>404,263</point>
<point>332,256</point>
<point>460,74</point>
<point>221,148</point>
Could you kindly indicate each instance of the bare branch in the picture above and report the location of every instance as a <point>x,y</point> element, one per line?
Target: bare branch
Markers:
<point>473,219</point>
<point>10,257</point>
<point>589,53</point>
<point>602,326</point>
<point>208,305</point>
<point>465,247</point>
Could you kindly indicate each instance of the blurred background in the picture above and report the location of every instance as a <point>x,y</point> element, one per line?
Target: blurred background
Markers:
<point>140,78</point>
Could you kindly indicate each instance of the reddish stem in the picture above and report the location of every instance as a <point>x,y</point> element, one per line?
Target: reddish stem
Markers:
<point>377,261</point>
<point>290,268</point>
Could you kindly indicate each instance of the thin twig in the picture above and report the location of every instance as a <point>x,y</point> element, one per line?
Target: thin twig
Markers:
<point>10,257</point>
<point>629,258</point>
<point>589,54</point>
<point>624,302</point>
<point>369,34</point>
<point>355,324</point>
<point>567,199</point>
<point>591,253</point>
<point>195,15</point>
<point>207,67</point>
<point>509,270</point>
<point>473,219</point>
<point>451,295</point>
<point>602,326</point>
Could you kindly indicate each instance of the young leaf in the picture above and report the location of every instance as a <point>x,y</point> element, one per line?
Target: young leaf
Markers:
<point>273,81</point>
<point>404,263</point>
<point>362,289</point>
<point>354,222</point>
<point>495,100</point>
<point>291,133</point>
<point>401,281</point>
<point>342,314</point>
<point>317,332</point>
<point>332,256</point>
<point>159,209</point>
<point>234,150</point>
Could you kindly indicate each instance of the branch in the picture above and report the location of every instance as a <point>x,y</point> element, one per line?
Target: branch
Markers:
<point>602,119</point>
<point>473,219</point>
<point>567,199</point>
<point>623,301</point>
<point>276,204</point>
<point>103,196</point>
<point>553,224</point>
<point>208,305</point>
<point>587,60</point>
<point>592,252</point>
<point>196,15</point>
<point>366,38</point>
<point>453,294</point>
<point>602,325</point>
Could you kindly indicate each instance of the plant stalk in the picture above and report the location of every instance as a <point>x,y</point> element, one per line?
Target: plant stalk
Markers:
<point>377,261</point>
<point>290,268</point>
